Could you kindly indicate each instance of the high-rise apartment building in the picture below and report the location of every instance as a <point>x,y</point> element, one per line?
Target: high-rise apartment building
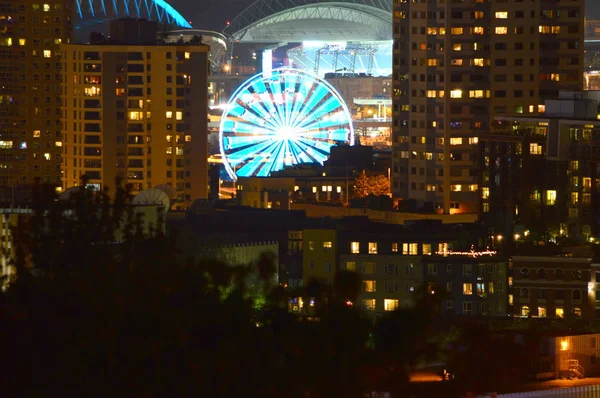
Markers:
<point>136,110</point>
<point>457,65</point>
<point>31,33</point>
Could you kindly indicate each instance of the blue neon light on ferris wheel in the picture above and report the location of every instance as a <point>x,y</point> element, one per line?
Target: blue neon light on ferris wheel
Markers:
<point>283,118</point>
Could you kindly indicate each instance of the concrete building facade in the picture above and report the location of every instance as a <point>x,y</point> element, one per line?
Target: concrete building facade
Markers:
<point>136,111</point>
<point>31,65</point>
<point>456,66</point>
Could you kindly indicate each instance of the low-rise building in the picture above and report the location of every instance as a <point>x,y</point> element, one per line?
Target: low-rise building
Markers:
<point>470,283</point>
<point>552,287</point>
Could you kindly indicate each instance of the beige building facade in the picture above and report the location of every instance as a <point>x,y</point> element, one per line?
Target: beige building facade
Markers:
<point>136,112</point>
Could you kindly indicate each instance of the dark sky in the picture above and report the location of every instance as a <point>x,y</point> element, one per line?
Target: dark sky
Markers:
<point>212,14</point>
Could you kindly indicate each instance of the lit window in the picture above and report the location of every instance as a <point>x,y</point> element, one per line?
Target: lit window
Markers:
<point>473,140</point>
<point>560,312</point>
<point>485,192</point>
<point>311,245</point>
<point>480,289</point>
<point>457,93</point>
<point>390,305</point>
<point>22,42</point>
<point>186,55</point>
<point>542,312</point>
<point>169,114</point>
<point>178,115</point>
<point>58,143</point>
<point>456,141</point>
<point>354,247</point>
<point>372,247</point>
<point>351,266</point>
<point>535,149</point>
<point>456,31</point>
<point>473,187</point>
<point>501,14</point>
<point>327,246</point>
<point>457,46</point>
<point>369,304</point>
<point>369,286</point>
<point>427,249</point>
<point>46,7</point>
<point>36,133</point>
<point>338,189</point>
<point>456,187</point>
<point>6,144</point>
<point>477,30</point>
<point>501,30</point>
<point>47,156</point>
<point>478,15</point>
<point>525,311</point>
<point>577,312</point>
<point>550,197</point>
<point>47,53</point>
<point>395,247</point>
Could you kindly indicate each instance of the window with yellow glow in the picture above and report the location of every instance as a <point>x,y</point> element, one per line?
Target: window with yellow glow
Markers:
<point>467,289</point>
<point>456,93</point>
<point>135,115</point>
<point>473,140</point>
<point>456,141</point>
<point>36,133</point>
<point>535,148</point>
<point>22,42</point>
<point>47,53</point>
<point>560,312</point>
<point>395,247</point>
<point>456,187</point>
<point>485,192</point>
<point>542,312</point>
<point>327,246</point>
<point>169,114</point>
<point>501,14</point>
<point>178,115</point>
<point>354,247</point>
<point>456,31</point>
<point>550,197</point>
<point>369,286</point>
<point>473,187</point>
<point>501,30</point>
<point>372,247</point>
<point>390,305</point>
<point>6,144</point>
<point>427,249</point>
<point>478,15</point>
<point>46,7</point>
<point>351,266</point>
<point>369,304</point>
<point>525,310</point>
<point>47,156</point>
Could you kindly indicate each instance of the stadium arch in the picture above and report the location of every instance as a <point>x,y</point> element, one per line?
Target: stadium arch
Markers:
<point>96,11</point>
<point>303,20</point>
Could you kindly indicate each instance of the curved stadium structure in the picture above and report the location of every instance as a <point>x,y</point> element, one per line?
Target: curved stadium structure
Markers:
<point>94,12</point>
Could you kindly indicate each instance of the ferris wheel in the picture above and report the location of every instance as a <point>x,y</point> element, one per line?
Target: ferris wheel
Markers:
<point>283,118</point>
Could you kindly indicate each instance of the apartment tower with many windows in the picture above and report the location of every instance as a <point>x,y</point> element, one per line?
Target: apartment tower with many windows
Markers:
<point>31,33</point>
<point>457,65</point>
<point>136,111</point>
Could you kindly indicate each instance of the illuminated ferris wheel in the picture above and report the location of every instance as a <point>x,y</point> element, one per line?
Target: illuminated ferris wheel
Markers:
<point>279,119</point>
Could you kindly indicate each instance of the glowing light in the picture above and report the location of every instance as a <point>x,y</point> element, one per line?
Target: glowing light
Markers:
<point>564,345</point>
<point>471,253</point>
<point>283,118</point>
<point>517,236</point>
<point>499,237</point>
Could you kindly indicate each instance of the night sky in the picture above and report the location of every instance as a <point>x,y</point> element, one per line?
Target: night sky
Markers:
<point>212,14</point>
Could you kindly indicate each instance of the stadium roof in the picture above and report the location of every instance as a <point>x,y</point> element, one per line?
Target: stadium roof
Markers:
<point>278,21</point>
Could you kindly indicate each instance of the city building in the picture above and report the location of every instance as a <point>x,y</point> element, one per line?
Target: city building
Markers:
<point>457,65</point>
<point>31,65</point>
<point>136,110</point>
<point>552,287</point>
<point>396,264</point>
<point>542,173</point>
<point>470,283</point>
